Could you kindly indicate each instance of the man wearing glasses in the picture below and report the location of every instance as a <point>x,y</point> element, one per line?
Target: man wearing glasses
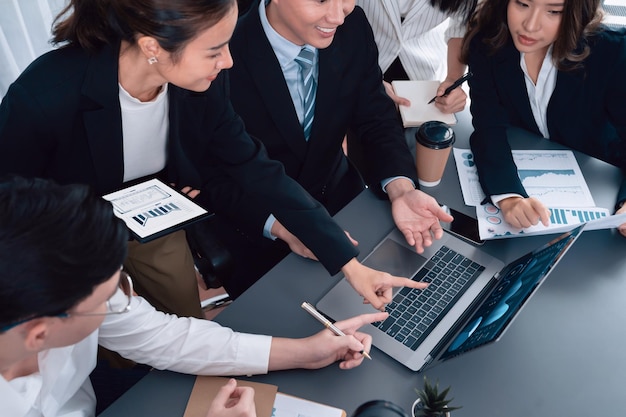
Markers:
<point>62,293</point>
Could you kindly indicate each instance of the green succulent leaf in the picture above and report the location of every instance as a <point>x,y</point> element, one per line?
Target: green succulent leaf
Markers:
<point>434,402</point>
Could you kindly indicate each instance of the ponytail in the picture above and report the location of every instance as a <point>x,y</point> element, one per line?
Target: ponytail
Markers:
<point>87,25</point>
<point>94,23</point>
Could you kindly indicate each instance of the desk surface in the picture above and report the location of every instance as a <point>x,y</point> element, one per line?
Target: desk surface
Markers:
<point>562,356</point>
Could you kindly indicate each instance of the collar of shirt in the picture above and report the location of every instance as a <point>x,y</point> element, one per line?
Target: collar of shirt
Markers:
<point>405,6</point>
<point>286,51</point>
<point>539,94</point>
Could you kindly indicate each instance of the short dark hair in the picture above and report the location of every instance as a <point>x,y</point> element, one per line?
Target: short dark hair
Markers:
<point>580,19</point>
<point>57,243</point>
<point>173,23</point>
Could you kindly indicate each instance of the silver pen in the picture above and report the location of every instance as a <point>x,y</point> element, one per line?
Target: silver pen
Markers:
<point>330,326</point>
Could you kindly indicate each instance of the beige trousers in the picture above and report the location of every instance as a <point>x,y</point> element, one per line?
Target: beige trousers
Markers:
<point>163,273</point>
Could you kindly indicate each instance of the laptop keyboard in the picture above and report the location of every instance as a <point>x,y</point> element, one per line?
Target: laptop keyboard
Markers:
<point>414,313</point>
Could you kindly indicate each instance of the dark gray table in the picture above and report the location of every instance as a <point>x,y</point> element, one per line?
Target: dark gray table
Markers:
<point>563,355</point>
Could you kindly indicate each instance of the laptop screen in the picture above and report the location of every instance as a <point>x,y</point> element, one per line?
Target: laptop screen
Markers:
<point>517,283</point>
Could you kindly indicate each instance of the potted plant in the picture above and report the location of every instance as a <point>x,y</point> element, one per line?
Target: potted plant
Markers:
<point>432,403</point>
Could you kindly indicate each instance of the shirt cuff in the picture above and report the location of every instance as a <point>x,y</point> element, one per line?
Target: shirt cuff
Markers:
<point>495,199</point>
<point>253,355</point>
<point>384,183</point>
<point>267,228</point>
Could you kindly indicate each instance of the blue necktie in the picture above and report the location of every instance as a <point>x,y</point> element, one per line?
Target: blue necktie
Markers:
<point>305,60</point>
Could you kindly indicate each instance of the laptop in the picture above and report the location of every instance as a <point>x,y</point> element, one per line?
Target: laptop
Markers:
<point>471,299</point>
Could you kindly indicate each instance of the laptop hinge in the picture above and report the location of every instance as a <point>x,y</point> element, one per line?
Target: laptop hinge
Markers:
<point>429,359</point>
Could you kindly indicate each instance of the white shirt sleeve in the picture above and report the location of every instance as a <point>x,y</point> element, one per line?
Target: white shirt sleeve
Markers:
<point>186,345</point>
<point>456,28</point>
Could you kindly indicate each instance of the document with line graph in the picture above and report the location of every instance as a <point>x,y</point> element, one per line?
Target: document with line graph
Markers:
<point>152,209</point>
<point>552,176</point>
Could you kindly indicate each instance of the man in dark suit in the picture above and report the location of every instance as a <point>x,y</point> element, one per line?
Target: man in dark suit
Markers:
<point>349,94</point>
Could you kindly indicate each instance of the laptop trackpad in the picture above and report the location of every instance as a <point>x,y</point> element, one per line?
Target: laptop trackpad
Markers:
<point>395,258</point>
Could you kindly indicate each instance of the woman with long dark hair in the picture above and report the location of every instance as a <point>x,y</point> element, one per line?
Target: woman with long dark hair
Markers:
<point>553,69</point>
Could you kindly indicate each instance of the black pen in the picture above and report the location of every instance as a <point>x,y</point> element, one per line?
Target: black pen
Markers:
<point>454,85</point>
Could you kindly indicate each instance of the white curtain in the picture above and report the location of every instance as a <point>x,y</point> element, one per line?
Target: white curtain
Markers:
<point>25,32</point>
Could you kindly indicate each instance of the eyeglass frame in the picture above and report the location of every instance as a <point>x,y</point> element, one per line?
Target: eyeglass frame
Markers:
<point>128,290</point>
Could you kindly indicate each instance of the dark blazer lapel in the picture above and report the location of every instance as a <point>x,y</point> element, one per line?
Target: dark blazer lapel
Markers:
<point>184,106</point>
<point>567,83</point>
<point>271,83</point>
<point>511,77</point>
<point>102,117</point>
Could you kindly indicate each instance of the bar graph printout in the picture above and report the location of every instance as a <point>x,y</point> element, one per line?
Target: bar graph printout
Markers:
<point>551,176</point>
<point>491,224</point>
<point>152,209</point>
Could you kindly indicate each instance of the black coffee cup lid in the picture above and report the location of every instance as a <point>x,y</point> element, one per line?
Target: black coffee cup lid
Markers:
<point>379,408</point>
<point>435,135</point>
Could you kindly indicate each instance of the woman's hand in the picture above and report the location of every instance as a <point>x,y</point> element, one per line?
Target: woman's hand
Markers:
<point>524,212</point>
<point>622,227</point>
<point>400,101</point>
<point>453,102</point>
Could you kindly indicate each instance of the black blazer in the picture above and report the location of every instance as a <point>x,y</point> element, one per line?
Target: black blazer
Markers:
<point>62,120</point>
<point>350,95</point>
<point>587,110</point>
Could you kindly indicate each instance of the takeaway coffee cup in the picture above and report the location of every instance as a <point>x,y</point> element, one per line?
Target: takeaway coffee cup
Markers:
<point>433,144</point>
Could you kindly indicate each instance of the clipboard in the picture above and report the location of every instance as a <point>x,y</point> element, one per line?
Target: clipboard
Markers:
<point>152,209</point>
<point>268,401</point>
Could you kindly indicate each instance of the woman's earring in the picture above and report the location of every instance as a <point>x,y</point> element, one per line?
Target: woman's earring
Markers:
<point>152,60</point>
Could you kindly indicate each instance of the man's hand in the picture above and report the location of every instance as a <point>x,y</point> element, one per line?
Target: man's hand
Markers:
<point>233,401</point>
<point>453,102</point>
<point>375,286</point>
<point>295,244</point>
<point>325,347</point>
<point>524,212</point>
<point>416,214</point>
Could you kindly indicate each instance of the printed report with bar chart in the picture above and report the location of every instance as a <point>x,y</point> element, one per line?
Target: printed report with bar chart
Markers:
<point>553,177</point>
<point>152,209</point>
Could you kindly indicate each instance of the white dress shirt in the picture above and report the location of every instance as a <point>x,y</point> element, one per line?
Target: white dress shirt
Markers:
<point>414,31</point>
<point>539,94</point>
<point>62,387</point>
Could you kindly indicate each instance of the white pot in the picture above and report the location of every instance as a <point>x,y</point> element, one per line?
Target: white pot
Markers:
<point>417,404</point>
